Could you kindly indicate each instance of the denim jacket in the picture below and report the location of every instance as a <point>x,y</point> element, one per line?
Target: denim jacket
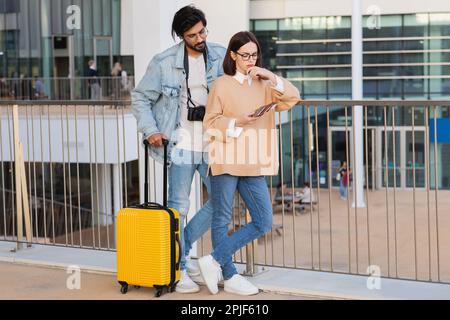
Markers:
<point>156,101</point>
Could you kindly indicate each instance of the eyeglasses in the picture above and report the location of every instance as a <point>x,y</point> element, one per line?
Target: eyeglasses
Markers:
<point>247,56</point>
<point>203,33</point>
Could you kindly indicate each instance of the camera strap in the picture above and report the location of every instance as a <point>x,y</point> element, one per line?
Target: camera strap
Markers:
<point>186,70</point>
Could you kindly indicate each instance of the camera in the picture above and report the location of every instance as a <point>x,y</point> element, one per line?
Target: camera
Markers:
<point>196,114</point>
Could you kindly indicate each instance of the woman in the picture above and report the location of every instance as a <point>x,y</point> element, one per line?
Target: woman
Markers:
<point>243,149</point>
<point>344,179</point>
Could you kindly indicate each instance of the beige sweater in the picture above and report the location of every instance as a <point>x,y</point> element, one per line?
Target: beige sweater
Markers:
<point>255,151</point>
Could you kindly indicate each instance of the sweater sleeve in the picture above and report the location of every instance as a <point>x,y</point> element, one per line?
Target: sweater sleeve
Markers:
<point>287,99</point>
<point>215,123</point>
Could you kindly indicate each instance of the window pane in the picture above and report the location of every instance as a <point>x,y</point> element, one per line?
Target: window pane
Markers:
<point>97,17</point>
<point>440,44</point>
<point>340,72</point>
<point>56,17</point>
<point>415,88</point>
<point>439,70</point>
<point>382,58</point>
<point>440,57</point>
<point>314,88</point>
<point>265,25</point>
<point>87,28</point>
<point>314,27</point>
<point>339,88</point>
<point>439,88</point>
<point>440,24</point>
<point>391,26</point>
<point>106,17</point>
<point>116,26</point>
<point>339,27</point>
<point>339,47</point>
<point>416,25</point>
<point>415,45</point>
<point>390,88</point>
<point>290,29</point>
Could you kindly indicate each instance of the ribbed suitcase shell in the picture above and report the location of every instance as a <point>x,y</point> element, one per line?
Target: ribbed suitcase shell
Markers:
<point>144,247</point>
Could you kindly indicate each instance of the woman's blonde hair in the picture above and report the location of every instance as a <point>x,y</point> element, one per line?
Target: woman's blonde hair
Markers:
<point>116,69</point>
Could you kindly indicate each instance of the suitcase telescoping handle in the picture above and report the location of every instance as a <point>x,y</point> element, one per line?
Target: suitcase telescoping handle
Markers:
<point>146,144</point>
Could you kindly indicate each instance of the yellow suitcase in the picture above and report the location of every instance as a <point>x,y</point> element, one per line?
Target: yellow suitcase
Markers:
<point>148,242</point>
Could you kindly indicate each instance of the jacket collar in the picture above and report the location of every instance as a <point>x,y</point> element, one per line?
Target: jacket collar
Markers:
<point>211,56</point>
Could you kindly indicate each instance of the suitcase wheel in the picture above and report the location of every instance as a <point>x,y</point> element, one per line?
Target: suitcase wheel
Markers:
<point>159,291</point>
<point>124,288</point>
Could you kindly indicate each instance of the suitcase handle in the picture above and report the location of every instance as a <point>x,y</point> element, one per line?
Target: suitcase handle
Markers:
<point>147,205</point>
<point>177,239</point>
<point>147,144</point>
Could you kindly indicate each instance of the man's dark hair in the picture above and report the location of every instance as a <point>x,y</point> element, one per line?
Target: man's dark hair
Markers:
<point>185,19</point>
<point>237,41</point>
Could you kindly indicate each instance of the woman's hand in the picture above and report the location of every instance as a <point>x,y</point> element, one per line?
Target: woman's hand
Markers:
<point>261,73</point>
<point>245,119</point>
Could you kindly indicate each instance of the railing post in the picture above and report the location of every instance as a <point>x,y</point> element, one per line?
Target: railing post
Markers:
<point>251,269</point>
<point>357,111</point>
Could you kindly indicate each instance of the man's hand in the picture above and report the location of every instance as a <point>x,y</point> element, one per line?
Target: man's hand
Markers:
<point>156,140</point>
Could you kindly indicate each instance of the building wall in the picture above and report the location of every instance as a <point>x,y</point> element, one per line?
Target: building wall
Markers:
<point>126,28</point>
<point>152,23</point>
<point>278,9</point>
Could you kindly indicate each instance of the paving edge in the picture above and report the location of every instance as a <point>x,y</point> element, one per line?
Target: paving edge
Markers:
<point>112,272</point>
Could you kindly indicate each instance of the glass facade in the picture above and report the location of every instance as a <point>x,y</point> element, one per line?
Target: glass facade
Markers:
<point>405,57</point>
<point>55,38</point>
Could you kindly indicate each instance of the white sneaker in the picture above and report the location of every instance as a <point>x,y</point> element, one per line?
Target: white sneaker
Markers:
<point>186,285</point>
<point>211,272</point>
<point>192,267</point>
<point>239,285</point>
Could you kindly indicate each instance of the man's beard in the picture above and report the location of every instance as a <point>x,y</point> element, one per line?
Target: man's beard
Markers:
<point>200,47</point>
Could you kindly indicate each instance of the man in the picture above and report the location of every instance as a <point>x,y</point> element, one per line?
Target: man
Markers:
<point>168,104</point>
<point>94,81</point>
<point>39,89</point>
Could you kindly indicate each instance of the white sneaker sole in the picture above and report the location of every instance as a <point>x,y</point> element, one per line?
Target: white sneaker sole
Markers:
<point>240,292</point>
<point>185,290</point>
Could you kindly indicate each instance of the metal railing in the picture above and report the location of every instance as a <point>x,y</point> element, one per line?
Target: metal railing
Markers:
<point>402,229</point>
<point>78,163</point>
<point>66,88</point>
<point>401,232</point>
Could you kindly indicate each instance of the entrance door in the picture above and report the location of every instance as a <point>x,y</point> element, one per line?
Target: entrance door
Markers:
<point>391,173</point>
<point>403,154</point>
<point>341,150</point>
<point>370,158</point>
<point>63,67</point>
<point>415,158</point>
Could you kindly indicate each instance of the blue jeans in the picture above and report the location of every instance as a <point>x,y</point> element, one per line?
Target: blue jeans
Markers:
<point>343,190</point>
<point>181,172</point>
<point>256,196</point>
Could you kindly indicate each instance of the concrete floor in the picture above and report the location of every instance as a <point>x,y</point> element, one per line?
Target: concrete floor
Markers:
<point>402,240</point>
<point>20,282</point>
